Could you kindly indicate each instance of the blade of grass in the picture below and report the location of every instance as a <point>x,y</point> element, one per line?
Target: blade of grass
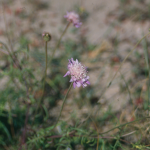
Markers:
<point>144,43</point>
<point>126,86</point>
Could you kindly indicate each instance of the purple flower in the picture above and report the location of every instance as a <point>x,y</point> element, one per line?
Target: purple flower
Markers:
<point>78,73</point>
<point>74,18</point>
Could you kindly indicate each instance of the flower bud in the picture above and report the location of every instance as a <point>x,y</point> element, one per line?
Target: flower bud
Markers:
<point>46,36</point>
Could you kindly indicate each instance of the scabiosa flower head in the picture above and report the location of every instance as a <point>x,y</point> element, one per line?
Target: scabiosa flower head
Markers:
<point>78,73</point>
<point>73,18</point>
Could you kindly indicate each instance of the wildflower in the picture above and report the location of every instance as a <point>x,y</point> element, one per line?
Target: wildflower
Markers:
<point>78,73</point>
<point>73,18</point>
<point>46,36</point>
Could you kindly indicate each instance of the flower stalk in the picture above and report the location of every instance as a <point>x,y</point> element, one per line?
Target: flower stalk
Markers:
<point>47,37</point>
<point>63,104</point>
<point>71,17</point>
<point>58,43</point>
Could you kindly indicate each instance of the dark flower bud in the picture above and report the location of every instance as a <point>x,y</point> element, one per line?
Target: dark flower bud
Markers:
<point>46,36</point>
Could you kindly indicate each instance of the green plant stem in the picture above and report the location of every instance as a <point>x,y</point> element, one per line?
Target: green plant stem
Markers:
<point>148,67</point>
<point>126,86</point>
<point>104,90</point>
<point>58,43</point>
<point>63,104</point>
<point>115,144</point>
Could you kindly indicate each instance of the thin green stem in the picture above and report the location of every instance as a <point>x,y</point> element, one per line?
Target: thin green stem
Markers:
<point>104,90</point>
<point>148,67</point>
<point>148,89</point>
<point>126,86</point>
<point>58,43</point>
<point>63,104</point>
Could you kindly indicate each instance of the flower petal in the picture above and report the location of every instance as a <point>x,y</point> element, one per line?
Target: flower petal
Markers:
<point>74,84</point>
<point>78,84</point>
<point>88,82</point>
<point>68,73</point>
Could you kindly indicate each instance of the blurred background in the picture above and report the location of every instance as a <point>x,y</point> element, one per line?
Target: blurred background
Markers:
<point>109,31</point>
